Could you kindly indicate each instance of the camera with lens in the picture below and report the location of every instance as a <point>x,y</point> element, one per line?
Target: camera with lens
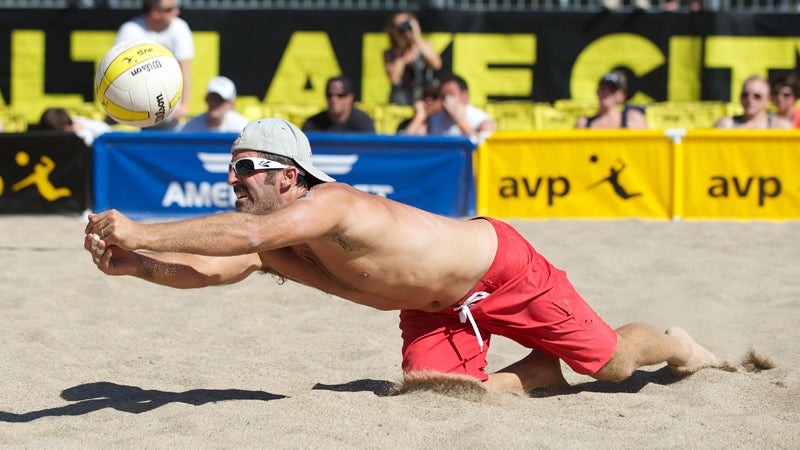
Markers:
<point>405,26</point>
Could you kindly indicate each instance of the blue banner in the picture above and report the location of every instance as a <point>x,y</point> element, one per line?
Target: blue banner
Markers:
<point>177,175</point>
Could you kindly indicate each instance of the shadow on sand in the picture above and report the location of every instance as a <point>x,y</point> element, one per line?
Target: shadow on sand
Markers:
<point>640,378</point>
<point>92,397</point>
<point>380,388</point>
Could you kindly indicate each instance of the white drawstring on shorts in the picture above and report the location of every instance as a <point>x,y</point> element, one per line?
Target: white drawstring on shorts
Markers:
<point>465,314</point>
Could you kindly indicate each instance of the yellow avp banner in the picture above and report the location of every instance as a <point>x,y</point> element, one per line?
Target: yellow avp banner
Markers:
<point>740,174</point>
<point>575,174</point>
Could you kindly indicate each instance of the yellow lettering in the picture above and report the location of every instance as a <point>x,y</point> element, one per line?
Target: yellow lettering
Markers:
<point>685,59</point>
<point>91,46</point>
<point>614,50</point>
<point>474,53</point>
<point>496,65</point>
<point>27,76</point>
<point>205,66</point>
<point>375,84</point>
<point>306,64</point>
<point>746,56</point>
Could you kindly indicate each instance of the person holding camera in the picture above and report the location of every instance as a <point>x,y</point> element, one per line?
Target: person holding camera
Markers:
<point>411,61</point>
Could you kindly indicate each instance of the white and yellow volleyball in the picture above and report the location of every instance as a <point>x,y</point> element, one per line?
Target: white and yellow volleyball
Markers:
<point>139,83</point>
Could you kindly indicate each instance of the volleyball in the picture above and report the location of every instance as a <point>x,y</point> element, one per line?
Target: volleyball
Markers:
<point>139,83</point>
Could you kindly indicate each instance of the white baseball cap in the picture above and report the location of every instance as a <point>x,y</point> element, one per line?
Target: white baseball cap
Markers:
<point>279,137</point>
<point>222,86</point>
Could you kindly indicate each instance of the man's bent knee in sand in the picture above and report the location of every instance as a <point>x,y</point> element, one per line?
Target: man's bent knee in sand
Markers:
<point>448,277</point>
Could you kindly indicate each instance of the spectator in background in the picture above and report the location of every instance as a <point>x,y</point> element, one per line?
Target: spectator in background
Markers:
<point>221,115</point>
<point>341,116</point>
<point>411,61</point>
<point>785,91</point>
<point>458,117</point>
<point>159,22</point>
<point>58,119</point>
<point>675,5</point>
<point>754,98</point>
<point>612,111</point>
<point>424,108</point>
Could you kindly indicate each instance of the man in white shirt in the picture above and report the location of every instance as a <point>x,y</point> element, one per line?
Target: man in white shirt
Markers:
<point>220,117</point>
<point>458,117</point>
<point>159,22</point>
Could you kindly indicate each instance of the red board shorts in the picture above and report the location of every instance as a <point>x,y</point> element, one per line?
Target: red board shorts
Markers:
<point>529,301</point>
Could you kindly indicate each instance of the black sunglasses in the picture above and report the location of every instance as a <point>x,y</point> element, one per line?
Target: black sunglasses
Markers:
<point>331,94</point>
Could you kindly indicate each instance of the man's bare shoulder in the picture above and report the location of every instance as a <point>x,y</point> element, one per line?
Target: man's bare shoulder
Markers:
<point>333,205</point>
<point>336,194</point>
<point>343,208</point>
<point>332,188</point>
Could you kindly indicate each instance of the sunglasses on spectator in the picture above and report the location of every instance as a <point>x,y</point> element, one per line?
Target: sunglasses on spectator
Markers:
<point>755,95</point>
<point>785,94</point>
<point>331,94</point>
<point>248,166</point>
<point>168,8</point>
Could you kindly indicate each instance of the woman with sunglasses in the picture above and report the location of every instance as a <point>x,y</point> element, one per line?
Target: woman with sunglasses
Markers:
<point>754,98</point>
<point>785,91</point>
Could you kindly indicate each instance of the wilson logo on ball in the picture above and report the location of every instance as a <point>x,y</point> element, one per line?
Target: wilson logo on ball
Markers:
<point>139,83</point>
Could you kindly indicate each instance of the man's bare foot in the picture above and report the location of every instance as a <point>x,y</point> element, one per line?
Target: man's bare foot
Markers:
<point>534,371</point>
<point>698,358</point>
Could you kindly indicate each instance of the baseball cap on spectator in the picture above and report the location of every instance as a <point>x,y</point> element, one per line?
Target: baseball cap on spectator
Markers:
<point>222,86</point>
<point>615,78</point>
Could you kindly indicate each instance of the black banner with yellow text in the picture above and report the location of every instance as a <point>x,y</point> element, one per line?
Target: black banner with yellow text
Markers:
<point>48,58</point>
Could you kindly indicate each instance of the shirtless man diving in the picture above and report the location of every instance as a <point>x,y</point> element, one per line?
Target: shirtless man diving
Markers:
<point>456,282</point>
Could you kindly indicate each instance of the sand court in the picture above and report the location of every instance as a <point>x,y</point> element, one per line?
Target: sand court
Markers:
<point>95,361</point>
